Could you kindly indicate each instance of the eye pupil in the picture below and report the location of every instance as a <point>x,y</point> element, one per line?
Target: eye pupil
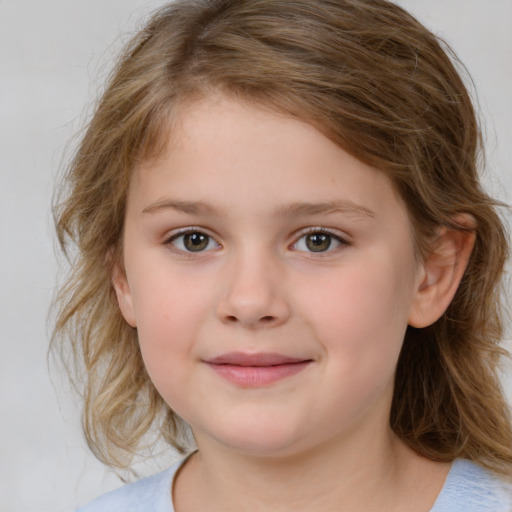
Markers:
<point>318,242</point>
<point>195,241</point>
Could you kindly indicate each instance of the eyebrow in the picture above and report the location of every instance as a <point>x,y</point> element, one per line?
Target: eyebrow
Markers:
<point>304,209</point>
<point>299,209</point>
<point>190,207</point>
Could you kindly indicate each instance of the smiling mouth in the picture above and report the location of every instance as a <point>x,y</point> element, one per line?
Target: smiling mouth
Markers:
<point>254,370</point>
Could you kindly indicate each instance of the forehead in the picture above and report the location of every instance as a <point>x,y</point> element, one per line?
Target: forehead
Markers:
<point>241,156</point>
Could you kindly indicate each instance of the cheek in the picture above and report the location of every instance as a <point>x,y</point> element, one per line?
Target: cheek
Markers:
<point>170,310</point>
<point>360,317</point>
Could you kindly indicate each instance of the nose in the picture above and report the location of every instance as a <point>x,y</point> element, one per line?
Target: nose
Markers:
<point>253,295</point>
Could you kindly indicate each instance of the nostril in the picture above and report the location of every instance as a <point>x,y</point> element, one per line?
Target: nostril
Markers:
<point>264,319</point>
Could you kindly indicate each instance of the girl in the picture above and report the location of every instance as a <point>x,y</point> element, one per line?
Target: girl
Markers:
<point>282,244</point>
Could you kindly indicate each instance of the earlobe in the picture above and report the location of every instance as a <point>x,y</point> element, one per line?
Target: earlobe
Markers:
<point>444,268</point>
<point>123,294</point>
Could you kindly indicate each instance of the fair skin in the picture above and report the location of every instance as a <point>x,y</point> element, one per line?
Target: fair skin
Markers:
<point>271,277</point>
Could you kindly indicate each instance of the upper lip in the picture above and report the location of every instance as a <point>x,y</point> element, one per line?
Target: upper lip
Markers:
<point>257,359</point>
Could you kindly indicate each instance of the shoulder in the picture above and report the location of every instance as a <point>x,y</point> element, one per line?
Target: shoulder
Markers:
<point>471,488</point>
<point>152,494</point>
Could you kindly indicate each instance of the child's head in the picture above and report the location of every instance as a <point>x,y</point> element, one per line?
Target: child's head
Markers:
<point>380,87</point>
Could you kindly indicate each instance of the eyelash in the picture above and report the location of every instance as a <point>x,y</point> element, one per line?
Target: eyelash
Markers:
<point>310,231</point>
<point>322,231</point>
<point>184,232</point>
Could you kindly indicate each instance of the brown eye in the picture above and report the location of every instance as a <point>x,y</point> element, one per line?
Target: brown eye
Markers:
<point>193,241</point>
<point>318,242</point>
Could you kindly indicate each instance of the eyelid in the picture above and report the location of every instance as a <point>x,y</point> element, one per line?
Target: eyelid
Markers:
<point>341,237</point>
<point>187,229</point>
<point>169,238</point>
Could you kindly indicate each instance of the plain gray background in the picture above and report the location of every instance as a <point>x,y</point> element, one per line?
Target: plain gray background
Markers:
<point>53,56</point>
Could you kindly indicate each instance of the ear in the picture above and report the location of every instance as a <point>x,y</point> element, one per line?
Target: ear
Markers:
<point>123,294</point>
<point>443,268</point>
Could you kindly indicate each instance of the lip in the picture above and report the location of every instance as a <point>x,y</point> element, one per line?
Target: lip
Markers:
<point>254,370</point>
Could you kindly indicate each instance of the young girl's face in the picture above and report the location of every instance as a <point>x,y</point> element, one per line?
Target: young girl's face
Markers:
<point>271,277</point>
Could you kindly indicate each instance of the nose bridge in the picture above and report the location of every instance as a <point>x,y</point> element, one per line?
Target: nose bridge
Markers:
<point>254,295</point>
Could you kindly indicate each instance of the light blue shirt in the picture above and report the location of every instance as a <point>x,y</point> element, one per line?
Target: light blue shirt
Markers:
<point>468,488</point>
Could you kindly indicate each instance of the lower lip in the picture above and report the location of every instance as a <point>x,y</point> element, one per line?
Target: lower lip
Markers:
<point>254,376</point>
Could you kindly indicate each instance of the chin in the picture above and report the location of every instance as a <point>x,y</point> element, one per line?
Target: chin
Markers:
<point>258,438</point>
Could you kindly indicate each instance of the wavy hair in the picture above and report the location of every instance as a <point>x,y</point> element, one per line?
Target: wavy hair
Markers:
<point>378,84</point>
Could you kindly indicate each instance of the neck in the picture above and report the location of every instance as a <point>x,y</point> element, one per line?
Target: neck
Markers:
<point>360,474</point>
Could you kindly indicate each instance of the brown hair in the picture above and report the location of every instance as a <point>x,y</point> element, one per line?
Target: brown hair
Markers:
<point>376,82</point>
